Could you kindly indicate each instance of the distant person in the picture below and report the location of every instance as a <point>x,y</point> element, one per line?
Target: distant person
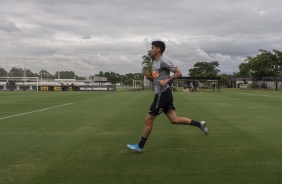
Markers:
<point>62,86</point>
<point>163,100</point>
<point>72,86</point>
<point>213,86</point>
<point>191,87</point>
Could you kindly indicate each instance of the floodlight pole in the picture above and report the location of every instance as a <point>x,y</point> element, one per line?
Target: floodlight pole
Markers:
<point>7,69</point>
<point>58,69</point>
<point>24,67</point>
<point>73,69</point>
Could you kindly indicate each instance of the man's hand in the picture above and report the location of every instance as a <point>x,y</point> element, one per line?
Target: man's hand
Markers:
<point>147,73</point>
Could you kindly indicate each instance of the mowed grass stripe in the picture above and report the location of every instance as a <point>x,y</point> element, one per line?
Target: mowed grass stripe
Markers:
<point>85,142</point>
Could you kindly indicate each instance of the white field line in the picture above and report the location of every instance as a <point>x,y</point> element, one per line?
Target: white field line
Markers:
<point>36,111</point>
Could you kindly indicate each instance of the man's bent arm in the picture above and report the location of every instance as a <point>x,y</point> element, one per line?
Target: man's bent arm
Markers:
<point>177,74</point>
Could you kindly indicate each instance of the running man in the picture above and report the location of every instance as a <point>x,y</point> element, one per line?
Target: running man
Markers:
<point>163,100</point>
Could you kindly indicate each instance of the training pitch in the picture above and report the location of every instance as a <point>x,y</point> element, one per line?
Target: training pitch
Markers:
<point>81,137</point>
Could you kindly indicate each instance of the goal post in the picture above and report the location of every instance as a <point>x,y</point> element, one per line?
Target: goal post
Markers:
<point>19,84</point>
<point>137,84</point>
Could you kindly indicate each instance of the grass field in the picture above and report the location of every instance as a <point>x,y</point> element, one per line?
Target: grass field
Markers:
<point>81,137</point>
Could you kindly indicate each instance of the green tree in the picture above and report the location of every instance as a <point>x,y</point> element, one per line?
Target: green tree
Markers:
<point>3,72</point>
<point>244,69</point>
<point>204,69</point>
<point>266,64</point>
<point>147,62</point>
<point>112,76</point>
<point>224,79</point>
<point>276,68</point>
<point>16,72</point>
<point>29,73</point>
<point>65,75</point>
<point>127,78</point>
<point>117,78</point>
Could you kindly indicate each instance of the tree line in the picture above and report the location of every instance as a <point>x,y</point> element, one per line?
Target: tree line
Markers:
<point>118,78</point>
<point>19,72</point>
<point>266,65</point>
<point>45,75</point>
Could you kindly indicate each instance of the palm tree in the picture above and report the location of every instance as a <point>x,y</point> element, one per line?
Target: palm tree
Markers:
<point>147,62</point>
<point>147,65</point>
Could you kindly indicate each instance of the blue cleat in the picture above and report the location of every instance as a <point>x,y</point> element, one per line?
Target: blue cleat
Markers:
<point>134,147</point>
<point>204,127</point>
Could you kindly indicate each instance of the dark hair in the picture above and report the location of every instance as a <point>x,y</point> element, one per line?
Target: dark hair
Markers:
<point>159,44</point>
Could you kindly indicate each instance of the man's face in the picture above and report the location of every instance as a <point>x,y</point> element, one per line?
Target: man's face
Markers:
<point>154,50</point>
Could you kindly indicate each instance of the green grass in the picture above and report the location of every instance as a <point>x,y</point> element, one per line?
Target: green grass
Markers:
<point>86,142</point>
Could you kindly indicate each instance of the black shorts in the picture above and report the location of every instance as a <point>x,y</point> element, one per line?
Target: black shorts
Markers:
<point>163,102</point>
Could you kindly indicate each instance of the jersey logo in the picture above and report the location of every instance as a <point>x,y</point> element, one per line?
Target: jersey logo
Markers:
<point>155,74</point>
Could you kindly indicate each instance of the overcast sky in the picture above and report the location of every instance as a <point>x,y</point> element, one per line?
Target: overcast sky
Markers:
<point>89,36</point>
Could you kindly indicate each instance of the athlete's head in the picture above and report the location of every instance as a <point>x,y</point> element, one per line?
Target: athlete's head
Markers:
<point>159,45</point>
